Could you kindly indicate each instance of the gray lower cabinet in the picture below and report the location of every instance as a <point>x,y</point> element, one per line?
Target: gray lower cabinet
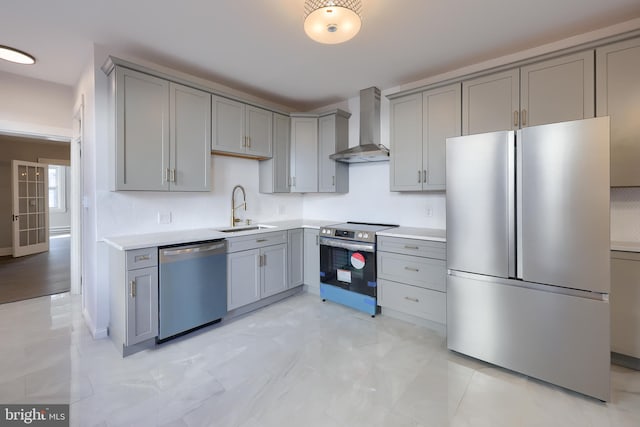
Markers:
<point>312,259</point>
<point>162,134</point>
<point>256,267</point>
<point>296,257</point>
<point>412,277</point>
<point>618,96</point>
<point>625,304</point>
<point>420,126</point>
<point>274,172</point>
<point>550,91</point>
<point>133,291</point>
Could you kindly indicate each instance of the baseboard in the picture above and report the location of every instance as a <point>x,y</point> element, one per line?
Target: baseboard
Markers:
<point>439,328</point>
<point>53,231</point>
<point>97,334</point>
<point>315,290</point>
<point>6,251</point>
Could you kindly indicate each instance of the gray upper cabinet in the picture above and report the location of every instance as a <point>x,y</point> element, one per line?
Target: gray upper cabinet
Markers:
<point>274,172</point>
<point>406,143</point>
<point>618,96</point>
<point>304,154</point>
<point>333,136</point>
<point>420,125</point>
<point>241,129</point>
<point>142,131</point>
<point>190,124</point>
<point>491,103</point>
<point>550,91</point>
<point>163,134</point>
<point>557,90</point>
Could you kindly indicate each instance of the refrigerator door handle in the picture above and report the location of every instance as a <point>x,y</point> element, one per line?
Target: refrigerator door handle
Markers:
<point>512,194</point>
<point>518,216</point>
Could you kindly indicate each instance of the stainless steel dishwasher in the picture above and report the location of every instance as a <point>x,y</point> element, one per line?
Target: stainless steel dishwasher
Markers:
<point>192,286</point>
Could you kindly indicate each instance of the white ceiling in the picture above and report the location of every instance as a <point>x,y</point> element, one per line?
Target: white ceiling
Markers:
<point>259,46</point>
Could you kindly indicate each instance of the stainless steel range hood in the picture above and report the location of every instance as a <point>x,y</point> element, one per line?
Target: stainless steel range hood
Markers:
<point>369,148</point>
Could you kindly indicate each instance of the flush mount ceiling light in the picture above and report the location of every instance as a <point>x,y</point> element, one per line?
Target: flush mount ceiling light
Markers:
<point>332,22</point>
<point>14,55</point>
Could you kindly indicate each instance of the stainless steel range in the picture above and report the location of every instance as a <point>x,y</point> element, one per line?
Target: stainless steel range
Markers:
<point>348,264</point>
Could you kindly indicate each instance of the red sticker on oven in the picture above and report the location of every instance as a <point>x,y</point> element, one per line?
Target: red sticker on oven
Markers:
<point>357,260</point>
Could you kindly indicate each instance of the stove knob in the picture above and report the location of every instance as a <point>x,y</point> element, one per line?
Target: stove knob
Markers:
<point>365,235</point>
<point>359,235</point>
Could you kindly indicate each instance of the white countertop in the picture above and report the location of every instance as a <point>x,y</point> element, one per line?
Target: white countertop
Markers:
<point>625,246</point>
<point>164,238</point>
<point>433,234</point>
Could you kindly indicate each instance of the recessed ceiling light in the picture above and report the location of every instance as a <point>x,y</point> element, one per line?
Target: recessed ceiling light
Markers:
<point>14,55</point>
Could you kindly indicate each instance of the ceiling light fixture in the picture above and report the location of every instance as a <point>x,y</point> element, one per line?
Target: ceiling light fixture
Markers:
<point>332,22</point>
<point>14,55</point>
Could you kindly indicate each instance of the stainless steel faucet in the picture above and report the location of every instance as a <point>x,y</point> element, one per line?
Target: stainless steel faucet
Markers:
<point>235,220</point>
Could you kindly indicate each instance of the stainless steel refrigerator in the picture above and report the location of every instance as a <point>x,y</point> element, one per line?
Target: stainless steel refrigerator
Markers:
<point>528,251</point>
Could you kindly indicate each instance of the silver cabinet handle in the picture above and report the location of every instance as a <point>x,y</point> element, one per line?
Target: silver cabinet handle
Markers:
<point>261,240</point>
<point>167,175</point>
<point>173,175</point>
<point>524,117</point>
<point>411,269</point>
<point>419,176</point>
<point>412,299</point>
<point>249,141</point>
<point>132,288</point>
<point>424,176</point>
<point>264,260</point>
<point>333,180</point>
<point>141,258</point>
<point>515,119</point>
<point>415,248</point>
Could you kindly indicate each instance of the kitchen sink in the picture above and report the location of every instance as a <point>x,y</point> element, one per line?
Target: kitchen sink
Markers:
<point>248,228</point>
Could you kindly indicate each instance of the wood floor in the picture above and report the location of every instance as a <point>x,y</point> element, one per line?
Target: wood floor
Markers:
<point>36,275</point>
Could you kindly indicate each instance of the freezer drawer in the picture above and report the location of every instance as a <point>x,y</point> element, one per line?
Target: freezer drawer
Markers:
<point>561,339</point>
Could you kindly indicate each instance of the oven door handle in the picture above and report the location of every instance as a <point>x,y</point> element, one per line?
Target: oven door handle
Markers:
<point>352,246</point>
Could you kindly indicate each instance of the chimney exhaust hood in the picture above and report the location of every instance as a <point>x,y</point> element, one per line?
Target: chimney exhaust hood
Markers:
<point>369,149</point>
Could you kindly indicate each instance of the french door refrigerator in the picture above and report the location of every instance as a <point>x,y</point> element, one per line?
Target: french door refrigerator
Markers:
<point>528,251</point>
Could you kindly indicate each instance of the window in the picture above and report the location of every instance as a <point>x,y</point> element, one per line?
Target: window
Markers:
<point>57,202</point>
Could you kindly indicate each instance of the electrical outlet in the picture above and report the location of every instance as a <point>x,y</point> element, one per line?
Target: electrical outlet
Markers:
<point>164,217</point>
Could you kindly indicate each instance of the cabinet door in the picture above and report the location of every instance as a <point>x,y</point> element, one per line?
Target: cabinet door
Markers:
<point>258,131</point>
<point>441,109</point>
<point>557,90</point>
<point>312,259</point>
<point>333,136</point>
<point>618,96</point>
<point>625,300</point>
<point>274,172</point>
<point>243,278</point>
<point>295,251</point>
<point>274,270</point>
<point>142,305</point>
<point>491,103</point>
<point>227,122</point>
<point>142,131</point>
<point>190,138</point>
<point>304,154</point>
<point>406,143</point>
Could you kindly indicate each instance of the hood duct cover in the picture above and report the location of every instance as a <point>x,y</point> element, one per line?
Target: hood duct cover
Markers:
<point>369,149</point>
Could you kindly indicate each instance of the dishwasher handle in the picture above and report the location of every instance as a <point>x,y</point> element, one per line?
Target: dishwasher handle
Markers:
<point>215,247</point>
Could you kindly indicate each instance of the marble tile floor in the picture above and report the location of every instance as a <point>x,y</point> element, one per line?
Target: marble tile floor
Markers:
<point>299,362</point>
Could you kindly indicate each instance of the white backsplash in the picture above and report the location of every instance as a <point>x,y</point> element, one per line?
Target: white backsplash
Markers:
<point>625,214</point>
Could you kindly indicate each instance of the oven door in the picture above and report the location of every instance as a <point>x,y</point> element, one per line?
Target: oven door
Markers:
<point>348,265</point>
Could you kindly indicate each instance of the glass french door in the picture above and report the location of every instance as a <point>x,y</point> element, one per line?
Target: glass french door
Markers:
<point>30,208</point>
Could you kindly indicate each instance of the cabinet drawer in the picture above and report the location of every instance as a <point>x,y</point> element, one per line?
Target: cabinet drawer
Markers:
<point>258,240</point>
<point>424,303</point>
<point>417,271</point>
<point>141,258</point>
<point>424,248</point>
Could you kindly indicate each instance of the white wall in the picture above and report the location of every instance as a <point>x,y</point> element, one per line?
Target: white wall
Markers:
<point>34,106</point>
<point>369,198</point>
